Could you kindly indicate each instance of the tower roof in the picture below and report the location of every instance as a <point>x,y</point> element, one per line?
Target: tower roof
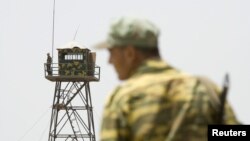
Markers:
<point>72,44</point>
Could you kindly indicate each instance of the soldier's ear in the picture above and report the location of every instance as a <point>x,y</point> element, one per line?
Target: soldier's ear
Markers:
<point>130,54</point>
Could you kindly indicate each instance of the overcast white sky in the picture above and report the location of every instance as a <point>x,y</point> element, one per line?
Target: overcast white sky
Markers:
<point>205,37</point>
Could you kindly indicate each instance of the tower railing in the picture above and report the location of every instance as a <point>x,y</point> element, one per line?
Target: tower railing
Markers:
<point>69,72</point>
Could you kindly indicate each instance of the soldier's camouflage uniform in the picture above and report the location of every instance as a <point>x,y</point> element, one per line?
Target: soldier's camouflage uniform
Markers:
<point>160,103</point>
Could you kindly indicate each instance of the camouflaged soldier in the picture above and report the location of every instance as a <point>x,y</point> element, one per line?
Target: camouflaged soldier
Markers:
<point>49,62</point>
<point>156,102</point>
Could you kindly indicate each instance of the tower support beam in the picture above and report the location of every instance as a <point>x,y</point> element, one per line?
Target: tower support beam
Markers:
<point>72,112</point>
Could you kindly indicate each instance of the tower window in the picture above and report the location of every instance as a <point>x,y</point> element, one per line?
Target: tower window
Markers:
<point>75,56</point>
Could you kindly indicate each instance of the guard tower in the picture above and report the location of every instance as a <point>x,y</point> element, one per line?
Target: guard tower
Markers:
<point>72,112</point>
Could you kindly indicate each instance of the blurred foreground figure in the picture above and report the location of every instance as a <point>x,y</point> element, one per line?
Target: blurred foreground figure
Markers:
<point>156,102</point>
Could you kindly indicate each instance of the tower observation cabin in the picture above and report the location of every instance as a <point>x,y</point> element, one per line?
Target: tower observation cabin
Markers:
<point>72,112</point>
<point>74,64</point>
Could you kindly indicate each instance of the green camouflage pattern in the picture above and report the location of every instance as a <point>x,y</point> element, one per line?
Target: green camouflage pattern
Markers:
<point>132,31</point>
<point>76,67</point>
<point>147,106</point>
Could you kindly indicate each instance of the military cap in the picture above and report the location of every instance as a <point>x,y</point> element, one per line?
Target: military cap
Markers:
<point>131,31</point>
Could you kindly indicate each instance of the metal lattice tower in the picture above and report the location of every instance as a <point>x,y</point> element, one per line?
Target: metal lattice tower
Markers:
<point>72,112</point>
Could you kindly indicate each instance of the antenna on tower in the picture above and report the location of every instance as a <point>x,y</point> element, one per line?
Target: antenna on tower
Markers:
<point>76,32</point>
<point>53,28</point>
